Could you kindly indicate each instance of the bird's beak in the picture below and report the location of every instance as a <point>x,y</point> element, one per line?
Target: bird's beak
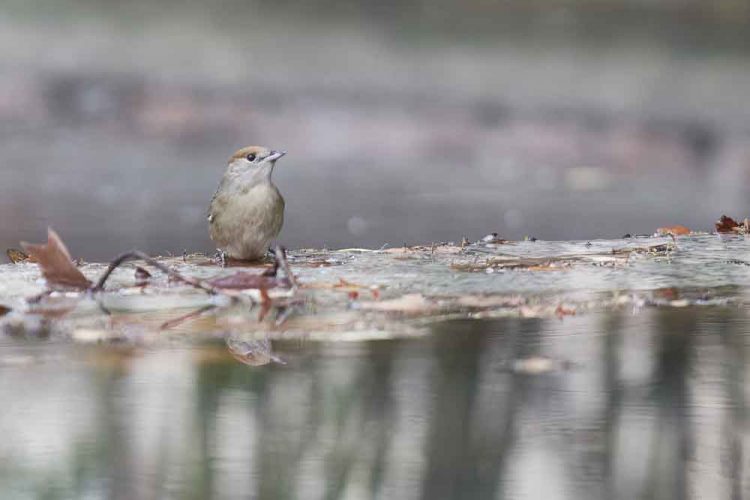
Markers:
<point>275,155</point>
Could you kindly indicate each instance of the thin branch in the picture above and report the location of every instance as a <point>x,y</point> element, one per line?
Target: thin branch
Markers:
<point>138,255</point>
<point>186,317</point>
<point>38,297</point>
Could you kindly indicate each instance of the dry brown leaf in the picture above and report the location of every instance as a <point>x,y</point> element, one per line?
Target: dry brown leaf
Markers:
<point>4,310</point>
<point>16,256</point>
<point>55,263</point>
<point>676,230</point>
<point>726,224</point>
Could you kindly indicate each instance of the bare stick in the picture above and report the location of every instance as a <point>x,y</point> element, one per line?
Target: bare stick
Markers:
<point>186,317</point>
<point>38,298</point>
<point>138,255</point>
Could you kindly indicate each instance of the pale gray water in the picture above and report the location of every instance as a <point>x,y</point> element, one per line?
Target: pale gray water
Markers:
<point>645,397</point>
<point>655,406</point>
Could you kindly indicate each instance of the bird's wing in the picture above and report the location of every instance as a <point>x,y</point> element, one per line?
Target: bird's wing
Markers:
<point>209,212</point>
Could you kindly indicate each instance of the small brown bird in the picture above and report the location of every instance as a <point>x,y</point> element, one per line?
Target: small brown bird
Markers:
<point>247,210</point>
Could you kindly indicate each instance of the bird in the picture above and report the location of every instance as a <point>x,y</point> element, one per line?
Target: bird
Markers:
<point>247,211</point>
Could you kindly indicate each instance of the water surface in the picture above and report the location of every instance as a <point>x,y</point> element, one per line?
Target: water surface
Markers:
<point>652,405</point>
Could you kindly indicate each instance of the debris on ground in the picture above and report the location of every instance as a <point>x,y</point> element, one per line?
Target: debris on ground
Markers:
<point>676,230</point>
<point>56,264</point>
<point>356,294</point>
<point>726,224</point>
<point>16,256</point>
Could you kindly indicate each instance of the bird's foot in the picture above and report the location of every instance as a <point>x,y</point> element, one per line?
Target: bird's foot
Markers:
<point>221,257</point>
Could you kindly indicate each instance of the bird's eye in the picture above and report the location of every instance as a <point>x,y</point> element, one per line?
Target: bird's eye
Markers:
<point>250,157</point>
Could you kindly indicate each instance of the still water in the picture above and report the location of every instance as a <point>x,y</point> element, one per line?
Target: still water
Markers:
<point>646,405</point>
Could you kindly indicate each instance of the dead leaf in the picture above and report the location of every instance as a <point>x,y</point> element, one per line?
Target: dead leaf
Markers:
<point>726,224</point>
<point>16,256</point>
<point>676,230</point>
<point>4,310</point>
<point>55,263</point>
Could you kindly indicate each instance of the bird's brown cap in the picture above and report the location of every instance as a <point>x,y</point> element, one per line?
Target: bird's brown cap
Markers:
<point>256,150</point>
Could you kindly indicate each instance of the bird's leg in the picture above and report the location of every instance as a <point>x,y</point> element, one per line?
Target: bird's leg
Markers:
<point>221,257</point>
<point>283,264</point>
<point>272,271</point>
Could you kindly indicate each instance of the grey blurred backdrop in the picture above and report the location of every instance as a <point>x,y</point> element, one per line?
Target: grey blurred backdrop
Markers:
<point>405,121</point>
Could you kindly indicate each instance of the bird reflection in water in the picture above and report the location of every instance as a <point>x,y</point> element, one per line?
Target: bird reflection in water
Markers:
<point>251,351</point>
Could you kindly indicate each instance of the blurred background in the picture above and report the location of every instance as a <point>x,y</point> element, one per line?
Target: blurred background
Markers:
<point>405,121</point>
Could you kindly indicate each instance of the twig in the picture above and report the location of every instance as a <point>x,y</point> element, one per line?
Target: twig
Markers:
<point>102,307</point>
<point>38,297</point>
<point>286,310</point>
<point>138,255</point>
<point>185,317</point>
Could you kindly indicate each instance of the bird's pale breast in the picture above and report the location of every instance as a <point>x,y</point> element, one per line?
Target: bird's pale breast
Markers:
<point>244,223</point>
